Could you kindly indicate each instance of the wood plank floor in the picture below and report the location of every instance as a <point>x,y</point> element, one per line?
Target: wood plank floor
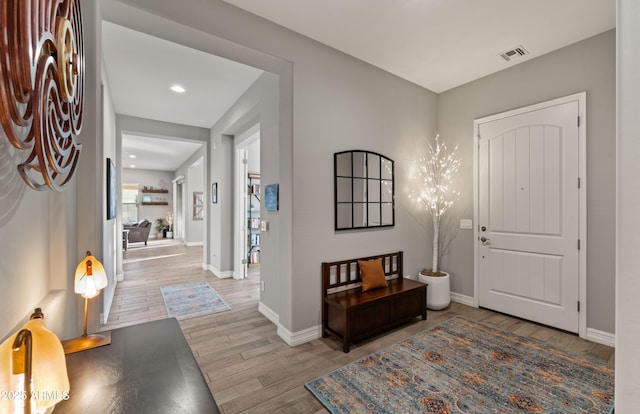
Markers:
<point>249,369</point>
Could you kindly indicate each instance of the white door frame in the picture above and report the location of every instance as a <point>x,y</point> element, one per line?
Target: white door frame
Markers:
<point>240,234</point>
<point>581,98</point>
<point>178,218</point>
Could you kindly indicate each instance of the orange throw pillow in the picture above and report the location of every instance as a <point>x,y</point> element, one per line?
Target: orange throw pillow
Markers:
<point>372,274</point>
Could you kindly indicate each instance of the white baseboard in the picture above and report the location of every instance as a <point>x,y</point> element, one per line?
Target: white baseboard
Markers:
<point>299,337</point>
<point>290,338</point>
<point>463,299</point>
<point>601,337</point>
<point>593,335</point>
<point>268,313</point>
<point>119,277</point>
<point>192,244</point>
<point>220,274</point>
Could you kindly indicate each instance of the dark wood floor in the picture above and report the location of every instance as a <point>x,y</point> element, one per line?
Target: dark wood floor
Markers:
<point>249,369</point>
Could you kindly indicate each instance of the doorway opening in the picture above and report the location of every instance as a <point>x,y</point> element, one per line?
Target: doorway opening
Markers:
<point>249,204</point>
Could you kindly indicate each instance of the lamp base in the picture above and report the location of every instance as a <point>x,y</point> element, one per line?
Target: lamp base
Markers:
<point>86,342</point>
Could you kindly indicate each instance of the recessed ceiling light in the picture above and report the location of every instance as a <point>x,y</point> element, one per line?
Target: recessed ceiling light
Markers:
<point>132,156</point>
<point>132,166</point>
<point>178,88</point>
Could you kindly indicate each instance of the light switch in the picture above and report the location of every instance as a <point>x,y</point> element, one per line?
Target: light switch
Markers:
<point>466,224</point>
<point>264,225</point>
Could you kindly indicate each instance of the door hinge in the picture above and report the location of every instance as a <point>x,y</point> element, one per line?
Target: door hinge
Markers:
<point>245,161</point>
<point>578,120</point>
<point>578,244</point>
<point>244,261</point>
<point>578,306</point>
<point>579,182</point>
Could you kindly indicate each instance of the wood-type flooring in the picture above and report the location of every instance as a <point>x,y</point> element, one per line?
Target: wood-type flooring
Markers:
<point>247,366</point>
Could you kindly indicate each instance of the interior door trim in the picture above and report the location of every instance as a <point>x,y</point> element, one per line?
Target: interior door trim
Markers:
<point>581,98</point>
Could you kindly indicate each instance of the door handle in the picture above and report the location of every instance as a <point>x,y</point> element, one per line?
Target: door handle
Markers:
<point>484,239</point>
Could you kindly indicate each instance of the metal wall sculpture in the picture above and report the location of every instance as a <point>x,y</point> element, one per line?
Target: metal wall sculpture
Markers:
<point>41,87</point>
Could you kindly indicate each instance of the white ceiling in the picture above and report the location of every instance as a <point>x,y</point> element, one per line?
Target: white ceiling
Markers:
<point>150,153</point>
<point>438,44</point>
<point>142,68</point>
<point>140,71</point>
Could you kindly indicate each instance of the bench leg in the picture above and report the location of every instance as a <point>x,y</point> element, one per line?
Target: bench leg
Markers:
<point>346,339</point>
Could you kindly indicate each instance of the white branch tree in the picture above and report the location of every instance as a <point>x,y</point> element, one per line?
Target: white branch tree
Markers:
<point>433,188</point>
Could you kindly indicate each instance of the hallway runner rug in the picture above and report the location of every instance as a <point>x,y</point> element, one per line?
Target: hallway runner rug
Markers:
<point>466,367</point>
<point>192,300</point>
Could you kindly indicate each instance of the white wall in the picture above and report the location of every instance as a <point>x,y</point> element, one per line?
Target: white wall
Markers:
<point>585,66</point>
<point>627,206</point>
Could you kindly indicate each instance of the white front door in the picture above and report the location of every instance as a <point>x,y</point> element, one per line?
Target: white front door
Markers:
<point>529,214</point>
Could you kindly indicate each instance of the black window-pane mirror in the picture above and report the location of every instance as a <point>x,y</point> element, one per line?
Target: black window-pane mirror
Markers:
<point>363,190</point>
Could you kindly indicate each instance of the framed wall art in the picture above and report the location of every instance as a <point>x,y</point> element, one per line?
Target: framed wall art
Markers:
<point>271,197</point>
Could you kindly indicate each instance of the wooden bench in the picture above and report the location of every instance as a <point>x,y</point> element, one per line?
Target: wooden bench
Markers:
<point>352,314</point>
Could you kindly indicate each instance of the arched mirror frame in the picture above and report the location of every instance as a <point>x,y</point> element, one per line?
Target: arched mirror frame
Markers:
<point>364,190</point>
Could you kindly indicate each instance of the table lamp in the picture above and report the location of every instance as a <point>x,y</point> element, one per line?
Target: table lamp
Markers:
<point>33,369</point>
<point>90,279</point>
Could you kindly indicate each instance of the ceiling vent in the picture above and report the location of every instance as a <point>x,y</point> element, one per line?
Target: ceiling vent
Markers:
<point>514,53</point>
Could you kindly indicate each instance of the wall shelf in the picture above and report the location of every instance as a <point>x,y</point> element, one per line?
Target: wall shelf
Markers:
<point>155,203</point>
<point>155,191</point>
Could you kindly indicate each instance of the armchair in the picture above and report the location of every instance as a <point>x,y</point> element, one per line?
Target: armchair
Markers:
<point>139,232</point>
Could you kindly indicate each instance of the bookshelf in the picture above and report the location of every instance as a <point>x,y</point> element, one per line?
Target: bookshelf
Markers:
<point>253,221</point>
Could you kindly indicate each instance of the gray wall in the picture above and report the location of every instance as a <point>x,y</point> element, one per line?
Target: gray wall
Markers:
<point>112,244</point>
<point>628,204</point>
<point>340,103</point>
<point>195,183</point>
<point>585,66</point>
<point>46,234</point>
<point>187,197</point>
<point>259,104</point>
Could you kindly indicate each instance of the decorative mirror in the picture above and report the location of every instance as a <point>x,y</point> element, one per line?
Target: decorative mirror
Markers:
<point>363,190</point>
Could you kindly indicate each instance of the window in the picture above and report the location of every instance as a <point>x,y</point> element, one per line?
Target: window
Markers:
<point>129,203</point>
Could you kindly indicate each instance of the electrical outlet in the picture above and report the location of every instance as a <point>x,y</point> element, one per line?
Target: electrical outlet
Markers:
<point>262,285</point>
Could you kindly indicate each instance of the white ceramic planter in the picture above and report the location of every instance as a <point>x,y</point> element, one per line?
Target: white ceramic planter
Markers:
<point>438,292</point>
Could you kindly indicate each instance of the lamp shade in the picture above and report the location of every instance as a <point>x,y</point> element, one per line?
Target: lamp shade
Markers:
<point>50,383</point>
<point>90,277</point>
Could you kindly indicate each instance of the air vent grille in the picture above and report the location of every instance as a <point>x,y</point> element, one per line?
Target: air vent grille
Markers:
<point>514,53</point>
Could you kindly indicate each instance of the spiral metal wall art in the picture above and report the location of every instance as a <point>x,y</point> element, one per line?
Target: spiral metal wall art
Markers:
<point>41,87</point>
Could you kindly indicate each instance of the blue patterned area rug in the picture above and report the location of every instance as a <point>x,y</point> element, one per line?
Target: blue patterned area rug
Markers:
<point>192,300</point>
<point>465,367</point>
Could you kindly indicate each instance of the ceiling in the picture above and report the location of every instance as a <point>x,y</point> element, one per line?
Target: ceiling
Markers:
<point>140,71</point>
<point>151,153</point>
<point>438,44</point>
